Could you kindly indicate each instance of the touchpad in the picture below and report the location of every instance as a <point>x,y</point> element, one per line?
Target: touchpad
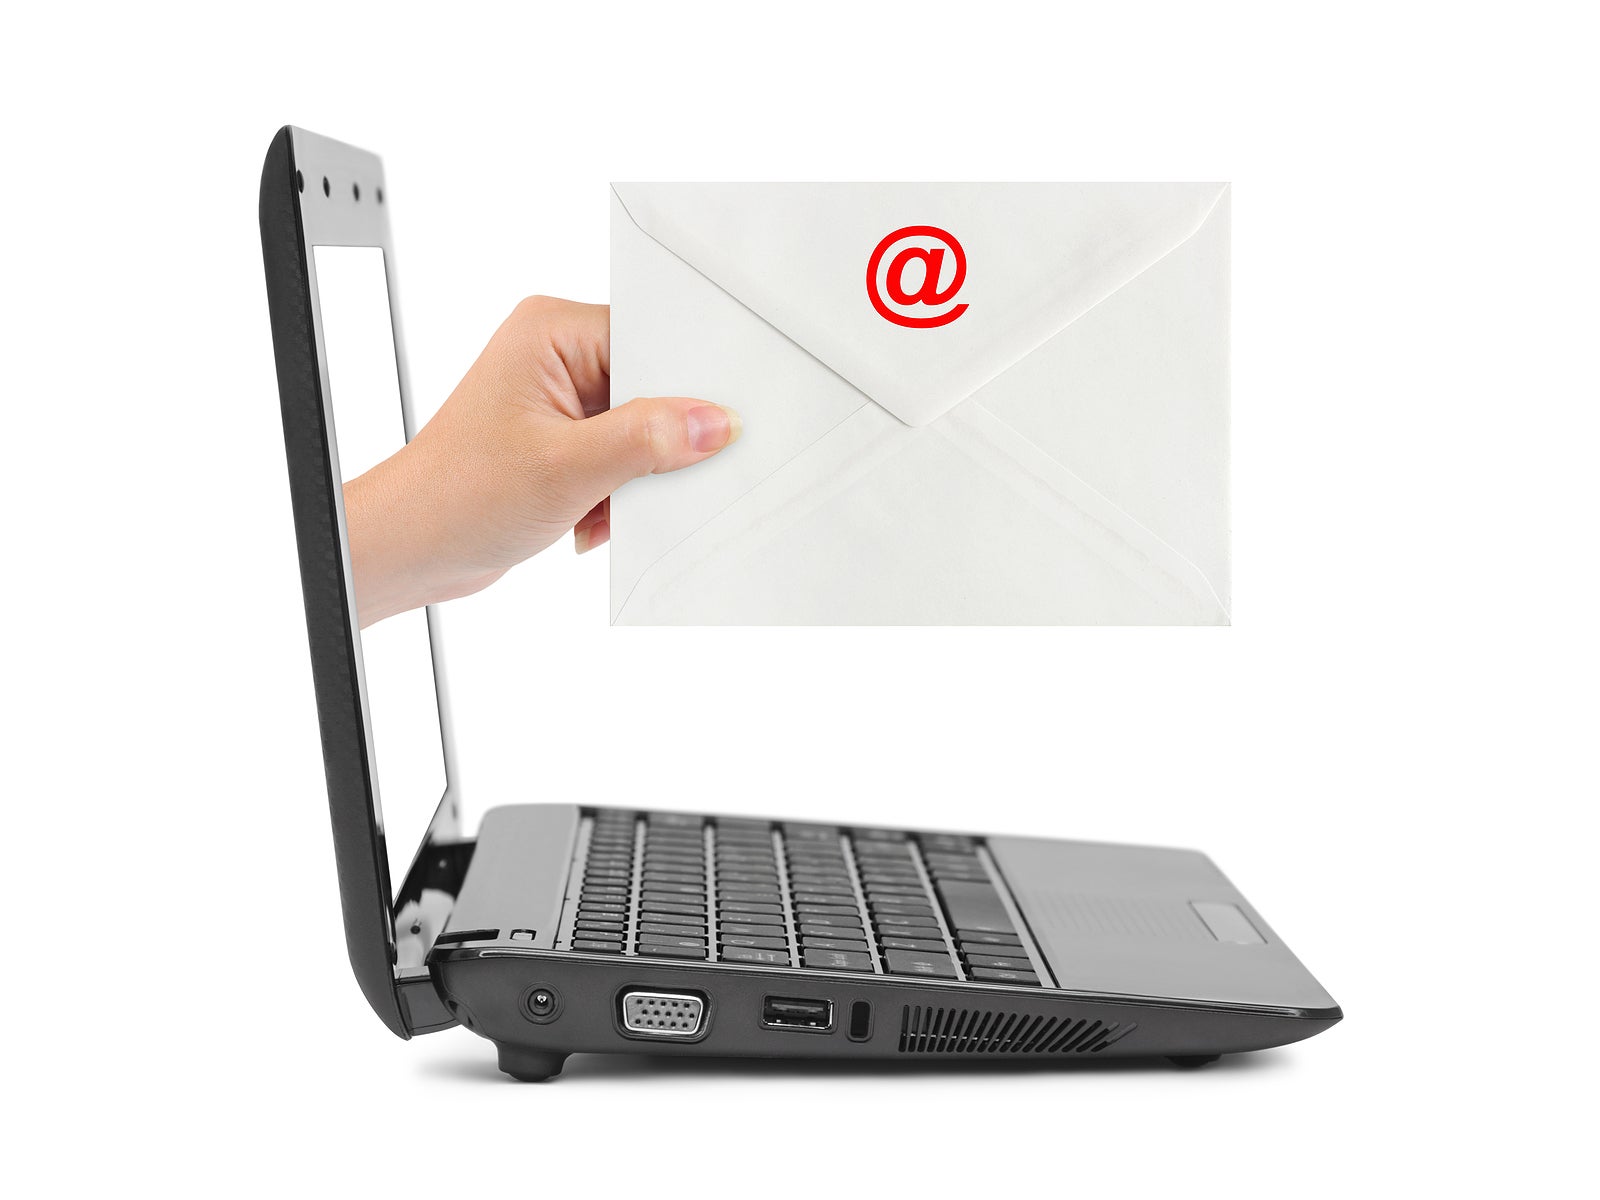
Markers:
<point>1227,922</point>
<point>1148,921</point>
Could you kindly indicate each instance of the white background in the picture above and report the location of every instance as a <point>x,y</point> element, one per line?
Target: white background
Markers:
<point>1392,752</point>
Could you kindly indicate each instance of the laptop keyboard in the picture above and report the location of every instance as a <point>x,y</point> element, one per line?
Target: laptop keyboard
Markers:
<point>817,897</point>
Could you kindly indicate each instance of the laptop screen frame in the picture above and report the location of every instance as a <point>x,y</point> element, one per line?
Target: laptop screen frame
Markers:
<point>298,212</point>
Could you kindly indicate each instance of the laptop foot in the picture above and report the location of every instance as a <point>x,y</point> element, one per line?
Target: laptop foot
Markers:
<point>530,1066</point>
<point>1190,1061</point>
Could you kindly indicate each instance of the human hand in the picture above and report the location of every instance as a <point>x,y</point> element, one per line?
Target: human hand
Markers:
<point>526,448</point>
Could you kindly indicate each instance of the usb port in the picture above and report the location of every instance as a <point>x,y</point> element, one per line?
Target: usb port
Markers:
<point>784,1012</point>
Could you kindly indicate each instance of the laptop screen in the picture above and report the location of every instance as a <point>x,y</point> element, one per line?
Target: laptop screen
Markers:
<point>400,693</point>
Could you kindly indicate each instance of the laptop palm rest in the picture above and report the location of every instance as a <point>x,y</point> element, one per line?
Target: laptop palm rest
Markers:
<point>1150,922</point>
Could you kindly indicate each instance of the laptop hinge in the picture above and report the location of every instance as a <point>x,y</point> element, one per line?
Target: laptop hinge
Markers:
<point>421,1005</point>
<point>425,903</point>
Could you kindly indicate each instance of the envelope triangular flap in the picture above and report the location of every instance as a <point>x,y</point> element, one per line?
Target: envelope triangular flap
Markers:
<point>1038,256</point>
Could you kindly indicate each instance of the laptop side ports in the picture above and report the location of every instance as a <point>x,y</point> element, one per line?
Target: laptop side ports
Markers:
<point>663,1014</point>
<point>785,1012</point>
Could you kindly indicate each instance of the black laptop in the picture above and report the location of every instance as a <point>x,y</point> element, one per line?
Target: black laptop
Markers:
<point>562,928</point>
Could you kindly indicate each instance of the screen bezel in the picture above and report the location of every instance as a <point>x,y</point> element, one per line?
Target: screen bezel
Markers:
<point>297,214</point>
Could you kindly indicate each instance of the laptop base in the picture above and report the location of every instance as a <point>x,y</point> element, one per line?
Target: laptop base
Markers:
<point>530,1066</point>
<point>541,1066</point>
<point>498,991</point>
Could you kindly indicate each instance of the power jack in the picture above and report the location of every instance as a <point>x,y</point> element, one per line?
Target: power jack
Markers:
<point>541,1004</point>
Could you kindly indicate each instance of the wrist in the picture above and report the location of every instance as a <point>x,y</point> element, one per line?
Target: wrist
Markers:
<point>402,552</point>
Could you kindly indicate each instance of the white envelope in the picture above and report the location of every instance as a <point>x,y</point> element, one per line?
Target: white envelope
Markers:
<point>1055,453</point>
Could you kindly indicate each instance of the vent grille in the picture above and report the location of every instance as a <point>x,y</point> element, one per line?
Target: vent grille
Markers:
<point>978,1031</point>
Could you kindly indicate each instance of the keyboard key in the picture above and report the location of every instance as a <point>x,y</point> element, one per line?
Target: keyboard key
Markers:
<point>906,908</point>
<point>685,903</point>
<point>837,960</point>
<point>755,954</point>
<point>832,896</point>
<point>975,906</point>
<point>602,935</point>
<point>662,939</point>
<point>834,931</point>
<point>991,975</point>
<point>917,962</point>
<point>901,943</point>
<point>850,917</point>
<point>740,917</point>
<point>819,943</point>
<point>945,858</point>
<point>948,876</point>
<point>594,947</point>
<point>672,951</point>
<point>772,931</point>
<point>827,910</point>
<point>894,919</point>
<point>677,904</point>
<point>837,885</point>
<point>680,889</point>
<point>762,943</point>
<point>668,930</point>
<point>591,923</point>
<point>677,879</point>
<point>695,916</point>
<point>750,906</point>
<point>1002,964</point>
<point>983,937</point>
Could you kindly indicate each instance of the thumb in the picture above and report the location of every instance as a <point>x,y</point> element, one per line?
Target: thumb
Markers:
<point>647,436</point>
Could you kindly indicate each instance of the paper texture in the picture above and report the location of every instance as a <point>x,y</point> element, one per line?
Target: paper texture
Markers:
<point>1055,453</point>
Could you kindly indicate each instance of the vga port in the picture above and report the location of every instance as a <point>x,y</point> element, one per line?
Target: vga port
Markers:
<point>663,1014</point>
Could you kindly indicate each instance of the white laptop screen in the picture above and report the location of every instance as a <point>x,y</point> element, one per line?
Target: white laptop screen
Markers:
<point>400,695</point>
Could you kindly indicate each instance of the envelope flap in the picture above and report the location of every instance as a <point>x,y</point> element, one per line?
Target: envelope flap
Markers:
<point>919,293</point>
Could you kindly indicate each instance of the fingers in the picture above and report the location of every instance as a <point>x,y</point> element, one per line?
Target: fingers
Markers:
<point>580,337</point>
<point>648,436</point>
<point>593,528</point>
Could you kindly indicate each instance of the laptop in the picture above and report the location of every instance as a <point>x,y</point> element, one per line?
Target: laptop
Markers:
<point>585,928</point>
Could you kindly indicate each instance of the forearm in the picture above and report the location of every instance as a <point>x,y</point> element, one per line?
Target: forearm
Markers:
<point>402,553</point>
